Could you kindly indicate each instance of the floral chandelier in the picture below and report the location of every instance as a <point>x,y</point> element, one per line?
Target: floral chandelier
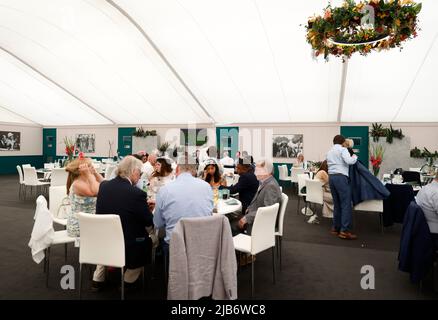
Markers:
<point>363,27</point>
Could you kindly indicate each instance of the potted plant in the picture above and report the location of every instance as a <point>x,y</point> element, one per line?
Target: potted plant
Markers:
<point>163,148</point>
<point>147,140</point>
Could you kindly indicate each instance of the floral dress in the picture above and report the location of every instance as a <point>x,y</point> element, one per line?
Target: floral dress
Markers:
<point>78,204</point>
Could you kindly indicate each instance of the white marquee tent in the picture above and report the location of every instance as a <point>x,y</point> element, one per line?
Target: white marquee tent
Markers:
<point>97,62</point>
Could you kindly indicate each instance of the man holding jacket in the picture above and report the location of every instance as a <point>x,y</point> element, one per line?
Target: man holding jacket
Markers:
<point>339,160</point>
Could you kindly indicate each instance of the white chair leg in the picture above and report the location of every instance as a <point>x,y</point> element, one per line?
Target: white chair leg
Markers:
<point>80,281</point>
<point>273,263</point>
<point>48,267</point>
<point>280,245</point>
<point>252,278</point>
<point>122,284</point>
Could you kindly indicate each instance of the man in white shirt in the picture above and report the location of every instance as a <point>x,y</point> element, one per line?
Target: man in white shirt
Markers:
<point>149,166</point>
<point>339,160</point>
<point>227,161</point>
<point>427,199</point>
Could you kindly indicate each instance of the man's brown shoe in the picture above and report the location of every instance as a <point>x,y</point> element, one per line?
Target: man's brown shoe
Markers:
<point>335,232</point>
<point>347,236</point>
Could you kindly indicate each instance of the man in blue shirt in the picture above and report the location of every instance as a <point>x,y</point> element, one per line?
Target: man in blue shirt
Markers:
<point>339,160</point>
<point>185,197</point>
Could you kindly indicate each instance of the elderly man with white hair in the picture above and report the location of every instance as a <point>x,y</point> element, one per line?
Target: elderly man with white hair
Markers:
<point>120,196</point>
<point>267,194</point>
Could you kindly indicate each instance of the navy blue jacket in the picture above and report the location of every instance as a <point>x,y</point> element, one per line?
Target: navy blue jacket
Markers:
<point>246,187</point>
<point>118,196</point>
<point>364,185</point>
<point>416,244</point>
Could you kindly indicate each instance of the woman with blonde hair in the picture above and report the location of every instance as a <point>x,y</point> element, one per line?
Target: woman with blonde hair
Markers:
<point>82,187</point>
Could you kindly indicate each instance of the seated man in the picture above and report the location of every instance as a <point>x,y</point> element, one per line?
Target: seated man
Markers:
<point>226,161</point>
<point>120,196</point>
<point>268,193</point>
<point>427,199</point>
<point>247,185</point>
<point>185,197</point>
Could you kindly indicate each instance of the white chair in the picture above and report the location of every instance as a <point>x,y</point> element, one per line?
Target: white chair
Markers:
<point>44,237</point>
<point>294,174</point>
<point>314,192</point>
<point>49,166</point>
<point>372,206</point>
<point>109,170</point>
<point>56,197</point>
<point>97,232</point>
<point>282,173</point>
<point>59,177</point>
<point>21,182</point>
<point>280,224</point>
<point>26,166</point>
<point>301,179</point>
<point>31,180</point>
<point>262,237</point>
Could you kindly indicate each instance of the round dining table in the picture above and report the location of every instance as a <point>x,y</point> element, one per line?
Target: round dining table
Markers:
<point>227,206</point>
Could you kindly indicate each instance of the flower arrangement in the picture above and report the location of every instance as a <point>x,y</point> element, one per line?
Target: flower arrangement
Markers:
<point>70,147</point>
<point>376,159</point>
<point>341,32</point>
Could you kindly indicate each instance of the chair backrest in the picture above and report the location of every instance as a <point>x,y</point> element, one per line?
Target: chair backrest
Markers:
<point>295,172</point>
<point>56,196</point>
<point>59,177</point>
<point>109,170</point>
<point>263,229</point>
<point>101,240</point>
<point>20,174</point>
<point>30,176</point>
<point>314,192</point>
<point>302,183</point>
<point>26,166</point>
<point>282,173</point>
<point>281,212</point>
<point>411,176</point>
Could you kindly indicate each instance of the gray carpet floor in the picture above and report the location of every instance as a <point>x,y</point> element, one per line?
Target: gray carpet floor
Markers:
<point>316,264</point>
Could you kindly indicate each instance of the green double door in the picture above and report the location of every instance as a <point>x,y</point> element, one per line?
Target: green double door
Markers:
<point>360,136</point>
<point>227,140</point>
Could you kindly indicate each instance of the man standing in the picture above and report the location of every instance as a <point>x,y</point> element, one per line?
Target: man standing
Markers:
<point>338,160</point>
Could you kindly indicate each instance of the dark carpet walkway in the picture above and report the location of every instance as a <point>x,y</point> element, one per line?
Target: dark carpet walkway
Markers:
<point>316,264</point>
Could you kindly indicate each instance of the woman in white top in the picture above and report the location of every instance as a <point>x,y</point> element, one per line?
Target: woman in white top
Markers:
<point>322,175</point>
<point>162,175</point>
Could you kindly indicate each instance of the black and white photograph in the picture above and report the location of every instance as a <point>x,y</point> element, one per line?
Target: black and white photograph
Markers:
<point>287,145</point>
<point>86,143</point>
<point>10,141</point>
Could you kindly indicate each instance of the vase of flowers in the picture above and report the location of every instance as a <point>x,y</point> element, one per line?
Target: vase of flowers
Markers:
<point>376,159</point>
<point>70,149</point>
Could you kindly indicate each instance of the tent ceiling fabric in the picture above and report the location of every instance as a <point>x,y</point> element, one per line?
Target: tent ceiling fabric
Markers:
<point>82,62</point>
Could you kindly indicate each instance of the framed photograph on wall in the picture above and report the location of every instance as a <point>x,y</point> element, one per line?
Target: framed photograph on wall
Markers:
<point>86,142</point>
<point>287,146</point>
<point>10,141</point>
